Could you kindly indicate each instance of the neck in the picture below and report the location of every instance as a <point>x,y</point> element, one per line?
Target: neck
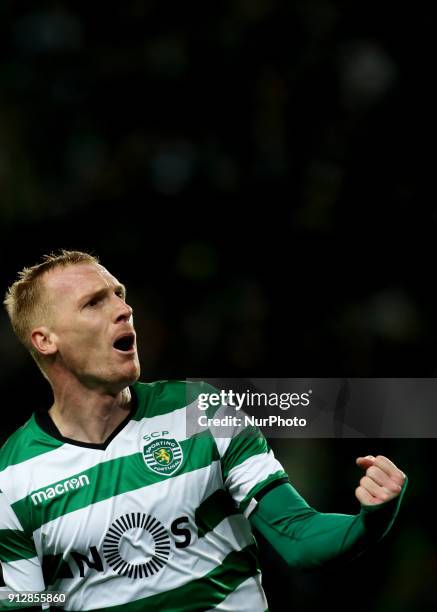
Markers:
<point>88,415</point>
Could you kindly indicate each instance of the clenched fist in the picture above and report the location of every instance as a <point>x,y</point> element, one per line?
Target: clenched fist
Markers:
<point>382,482</point>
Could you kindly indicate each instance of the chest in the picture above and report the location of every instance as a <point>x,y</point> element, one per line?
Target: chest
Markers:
<point>158,484</point>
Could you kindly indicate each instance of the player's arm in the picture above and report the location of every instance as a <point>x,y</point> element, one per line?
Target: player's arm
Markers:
<point>19,561</point>
<point>306,538</point>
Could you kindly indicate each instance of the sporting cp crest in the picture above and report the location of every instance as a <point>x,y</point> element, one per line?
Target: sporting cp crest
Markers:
<point>163,456</point>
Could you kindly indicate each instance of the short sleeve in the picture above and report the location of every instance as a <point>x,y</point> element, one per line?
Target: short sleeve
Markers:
<point>249,466</point>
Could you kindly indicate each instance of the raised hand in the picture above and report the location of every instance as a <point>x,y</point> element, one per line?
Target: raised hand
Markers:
<point>382,481</point>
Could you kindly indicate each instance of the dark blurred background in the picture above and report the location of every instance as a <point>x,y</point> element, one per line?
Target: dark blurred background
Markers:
<point>256,172</point>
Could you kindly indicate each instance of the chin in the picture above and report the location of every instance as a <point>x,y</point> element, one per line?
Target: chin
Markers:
<point>133,375</point>
<point>125,378</point>
<point>118,386</point>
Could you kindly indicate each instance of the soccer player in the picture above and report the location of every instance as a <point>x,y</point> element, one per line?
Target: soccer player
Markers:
<point>104,497</point>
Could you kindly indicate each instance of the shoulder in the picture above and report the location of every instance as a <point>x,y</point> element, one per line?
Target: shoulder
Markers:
<point>10,451</point>
<point>26,442</point>
<point>163,396</point>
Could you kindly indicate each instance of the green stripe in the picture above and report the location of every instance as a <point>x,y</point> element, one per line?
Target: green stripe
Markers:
<point>201,594</point>
<point>27,442</point>
<point>112,478</point>
<point>15,545</point>
<point>247,443</point>
<point>213,510</point>
<point>279,474</point>
<point>12,605</point>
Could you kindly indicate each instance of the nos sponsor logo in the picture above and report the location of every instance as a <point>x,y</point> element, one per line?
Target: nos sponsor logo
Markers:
<point>40,497</point>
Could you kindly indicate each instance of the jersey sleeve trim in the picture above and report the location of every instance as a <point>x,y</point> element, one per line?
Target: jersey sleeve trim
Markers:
<point>246,506</point>
<point>271,485</point>
<point>251,506</point>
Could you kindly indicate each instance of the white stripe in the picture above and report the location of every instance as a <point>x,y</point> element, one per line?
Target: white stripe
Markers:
<point>248,597</point>
<point>243,477</point>
<point>250,507</point>
<point>8,518</point>
<point>185,492</point>
<point>184,566</point>
<point>23,575</point>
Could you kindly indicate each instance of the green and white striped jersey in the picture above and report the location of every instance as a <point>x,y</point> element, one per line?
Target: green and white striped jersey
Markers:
<point>153,519</point>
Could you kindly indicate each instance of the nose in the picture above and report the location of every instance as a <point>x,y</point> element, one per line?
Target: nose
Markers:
<point>124,312</point>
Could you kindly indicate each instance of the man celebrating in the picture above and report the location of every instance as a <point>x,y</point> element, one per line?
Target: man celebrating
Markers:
<point>105,498</point>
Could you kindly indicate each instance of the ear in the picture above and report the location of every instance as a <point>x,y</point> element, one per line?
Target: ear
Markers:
<point>44,341</point>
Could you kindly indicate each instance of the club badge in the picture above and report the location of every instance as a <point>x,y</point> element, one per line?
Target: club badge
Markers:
<point>163,456</point>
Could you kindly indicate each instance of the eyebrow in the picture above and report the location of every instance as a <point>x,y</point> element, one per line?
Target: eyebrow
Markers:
<point>101,292</point>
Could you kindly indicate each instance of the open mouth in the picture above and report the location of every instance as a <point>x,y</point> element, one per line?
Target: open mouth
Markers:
<point>125,343</point>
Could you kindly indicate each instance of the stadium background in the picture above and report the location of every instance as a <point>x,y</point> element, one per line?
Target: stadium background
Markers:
<point>255,172</point>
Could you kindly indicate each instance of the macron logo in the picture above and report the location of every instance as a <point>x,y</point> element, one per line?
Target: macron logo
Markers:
<point>40,497</point>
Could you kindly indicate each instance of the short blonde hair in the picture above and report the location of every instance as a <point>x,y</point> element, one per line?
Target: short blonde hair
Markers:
<point>24,300</point>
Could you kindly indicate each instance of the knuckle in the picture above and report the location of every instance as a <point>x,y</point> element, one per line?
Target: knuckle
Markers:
<point>372,470</point>
<point>398,479</point>
<point>393,487</point>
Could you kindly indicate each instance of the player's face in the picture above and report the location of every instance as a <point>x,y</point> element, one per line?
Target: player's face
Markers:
<point>92,326</point>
